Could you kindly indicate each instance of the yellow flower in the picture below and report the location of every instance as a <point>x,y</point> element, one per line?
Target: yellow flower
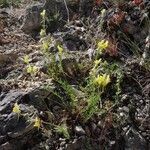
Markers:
<point>97,62</point>
<point>32,70</point>
<point>103,44</point>
<point>26,59</point>
<point>16,108</point>
<point>102,80</point>
<point>103,11</point>
<point>60,49</point>
<point>43,13</point>
<point>42,33</point>
<point>37,122</point>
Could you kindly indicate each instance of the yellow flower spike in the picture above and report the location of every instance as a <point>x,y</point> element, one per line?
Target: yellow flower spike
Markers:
<point>102,45</point>
<point>32,70</point>
<point>106,79</point>
<point>29,69</point>
<point>103,11</point>
<point>45,45</point>
<point>43,13</point>
<point>60,49</point>
<point>16,109</point>
<point>26,59</point>
<point>37,123</point>
<point>102,80</point>
<point>42,33</point>
<point>97,62</point>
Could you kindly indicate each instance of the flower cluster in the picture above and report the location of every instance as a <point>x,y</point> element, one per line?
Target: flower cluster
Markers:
<point>60,49</point>
<point>16,108</point>
<point>37,123</point>
<point>102,45</point>
<point>102,80</point>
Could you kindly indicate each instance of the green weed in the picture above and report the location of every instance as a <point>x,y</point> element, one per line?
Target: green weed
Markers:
<point>62,129</point>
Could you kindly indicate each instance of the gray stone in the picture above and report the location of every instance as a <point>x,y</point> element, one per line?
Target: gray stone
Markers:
<point>133,140</point>
<point>14,127</point>
<point>32,18</point>
<point>58,12</point>
<point>79,130</point>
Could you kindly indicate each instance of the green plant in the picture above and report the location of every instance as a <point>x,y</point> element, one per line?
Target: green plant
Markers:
<point>117,71</point>
<point>37,122</point>
<point>101,81</point>
<point>16,109</point>
<point>45,46</point>
<point>60,53</point>
<point>54,68</point>
<point>43,33</point>
<point>99,78</point>
<point>32,70</point>
<point>43,22</point>
<point>94,86</point>
<point>62,129</point>
<point>101,47</point>
<point>26,59</point>
<point>103,12</point>
<point>70,92</point>
<point>92,106</point>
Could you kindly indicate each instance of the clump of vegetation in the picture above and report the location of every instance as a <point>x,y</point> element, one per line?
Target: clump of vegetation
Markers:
<point>30,69</point>
<point>88,89</point>
<point>93,87</point>
<point>6,3</point>
<point>16,109</point>
<point>62,129</point>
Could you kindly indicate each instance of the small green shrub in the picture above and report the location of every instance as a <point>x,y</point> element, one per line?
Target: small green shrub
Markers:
<point>62,129</point>
<point>96,84</point>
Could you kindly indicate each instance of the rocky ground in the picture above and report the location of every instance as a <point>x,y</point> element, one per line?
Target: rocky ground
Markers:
<point>123,122</point>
